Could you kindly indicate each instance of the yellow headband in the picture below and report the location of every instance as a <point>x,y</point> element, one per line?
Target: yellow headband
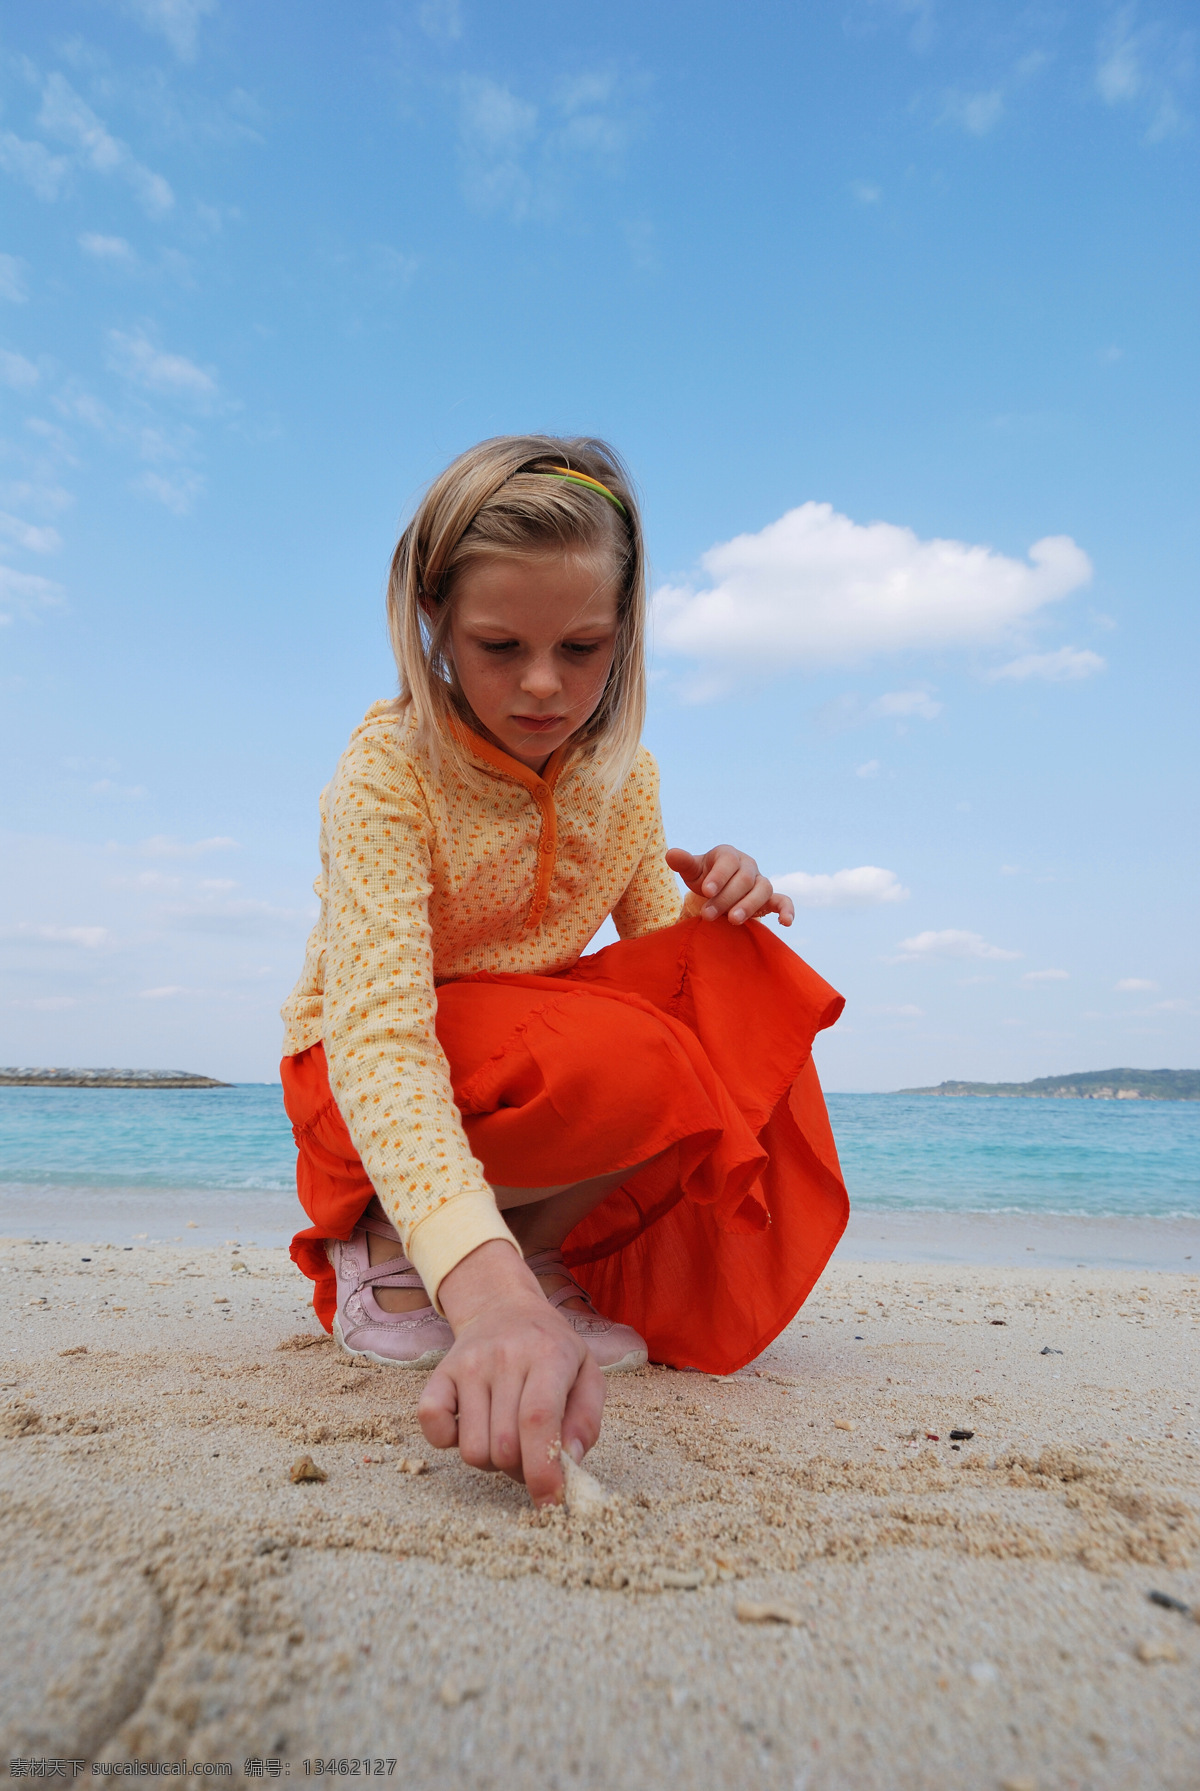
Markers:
<point>566,472</point>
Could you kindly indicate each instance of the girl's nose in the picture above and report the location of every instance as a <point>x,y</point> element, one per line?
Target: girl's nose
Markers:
<point>541,678</point>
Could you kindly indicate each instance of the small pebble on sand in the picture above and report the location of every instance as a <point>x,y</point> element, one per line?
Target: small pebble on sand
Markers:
<point>843,1424</point>
<point>681,1580</point>
<point>748,1610</point>
<point>412,1464</point>
<point>1156,1651</point>
<point>1021,1783</point>
<point>305,1468</point>
<point>454,1692</point>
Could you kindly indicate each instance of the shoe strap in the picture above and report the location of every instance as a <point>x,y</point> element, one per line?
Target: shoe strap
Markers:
<point>550,1262</point>
<point>397,1271</point>
<point>380,1228</point>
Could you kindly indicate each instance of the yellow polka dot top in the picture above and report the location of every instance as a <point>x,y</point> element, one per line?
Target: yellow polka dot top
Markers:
<point>427,878</point>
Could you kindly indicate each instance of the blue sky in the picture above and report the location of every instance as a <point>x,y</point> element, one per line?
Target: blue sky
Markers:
<point>876,298</point>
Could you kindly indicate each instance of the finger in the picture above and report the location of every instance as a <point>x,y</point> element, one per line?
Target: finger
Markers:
<point>737,891</point>
<point>784,907</point>
<point>748,906</point>
<point>437,1411</point>
<point>474,1422</point>
<point>585,1403</point>
<point>505,1418</point>
<point>690,868</point>
<point>543,1401</point>
<point>722,863</point>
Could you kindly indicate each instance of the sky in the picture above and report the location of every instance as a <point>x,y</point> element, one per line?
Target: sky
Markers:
<point>890,305</point>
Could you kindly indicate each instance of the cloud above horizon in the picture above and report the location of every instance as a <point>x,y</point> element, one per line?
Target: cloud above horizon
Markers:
<point>176,20</point>
<point>864,887</point>
<point>817,589</point>
<point>950,942</point>
<point>1065,666</point>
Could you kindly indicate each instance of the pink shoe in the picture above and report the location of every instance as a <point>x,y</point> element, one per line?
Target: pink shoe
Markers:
<point>614,1347</point>
<point>414,1339</point>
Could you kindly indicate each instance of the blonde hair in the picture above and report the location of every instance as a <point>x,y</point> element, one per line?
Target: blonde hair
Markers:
<point>495,502</point>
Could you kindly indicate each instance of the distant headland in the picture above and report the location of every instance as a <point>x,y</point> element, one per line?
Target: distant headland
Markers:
<point>106,1079</point>
<point>1088,1085</point>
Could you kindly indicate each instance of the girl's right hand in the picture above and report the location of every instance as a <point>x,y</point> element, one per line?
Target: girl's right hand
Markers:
<point>518,1382</point>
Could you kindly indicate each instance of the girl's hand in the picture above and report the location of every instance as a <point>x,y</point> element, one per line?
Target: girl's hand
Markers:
<point>732,884</point>
<point>518,1380</point>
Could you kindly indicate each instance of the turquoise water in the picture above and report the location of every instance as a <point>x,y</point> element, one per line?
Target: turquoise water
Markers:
<point>176,1153</point>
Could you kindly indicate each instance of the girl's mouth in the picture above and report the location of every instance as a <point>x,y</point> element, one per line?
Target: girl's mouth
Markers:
<point>538,724</point>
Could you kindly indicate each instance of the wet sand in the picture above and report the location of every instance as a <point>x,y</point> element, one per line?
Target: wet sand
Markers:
<point>972,1615</point>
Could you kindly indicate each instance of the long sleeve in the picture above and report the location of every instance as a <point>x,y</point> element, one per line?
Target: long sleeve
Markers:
<point>651,899</point>
<point>387,1071</point>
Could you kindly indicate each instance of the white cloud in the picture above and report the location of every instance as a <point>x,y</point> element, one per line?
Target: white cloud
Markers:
<point>16,372</point>
<point>1119,73</point>
<point>1046,976</point>
<point>1066,666</point>
<point>866,192</point>
<point>32,163</point>
<point>495,130</point>
<point>176,20</point>
<point>1136,985</point>
<point>870,769</point>
<point>66,116</point>
<point>592,119</point>
<point>44,1004</point>
<point>815,588</point>
<point>977,113</point>
<point>519,157</point>
<point>245,919</point>
<point>951,942</point>
<point>166,992</point>
<point>1145,67</point>
<point>27,592</point>
<point>865,887</point>
<point>441,20</point>
<point>165,845</point>
<point>90,938</point>
<point>107,248</point>
<point>34,540</point>
<point>139,360</point>
<point>905,1011</point>
<point>905,703</point>
<point>178,492</point>
<point>50,500</point>
<point>104,786</point>
<point>12,279</point>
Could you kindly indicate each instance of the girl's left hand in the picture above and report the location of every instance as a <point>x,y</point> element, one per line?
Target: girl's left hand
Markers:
<point>731,884</point>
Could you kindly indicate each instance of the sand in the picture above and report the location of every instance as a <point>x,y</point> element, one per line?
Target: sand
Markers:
<point>970,1615</point>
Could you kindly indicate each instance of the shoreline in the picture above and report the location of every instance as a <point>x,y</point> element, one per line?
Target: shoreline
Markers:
<point>269,1218</point>
<point>1022,1240</point>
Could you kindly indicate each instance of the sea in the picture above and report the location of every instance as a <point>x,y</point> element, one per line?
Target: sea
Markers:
<point>133,1166</point>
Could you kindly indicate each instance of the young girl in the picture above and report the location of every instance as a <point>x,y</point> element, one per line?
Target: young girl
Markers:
<point>523,1165</point>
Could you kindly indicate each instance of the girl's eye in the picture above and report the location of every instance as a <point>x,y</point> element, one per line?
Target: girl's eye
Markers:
<point>582,649</point>
<point>497,646</point>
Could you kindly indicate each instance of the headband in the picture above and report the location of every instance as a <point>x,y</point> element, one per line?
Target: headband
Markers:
<point>568,473</point>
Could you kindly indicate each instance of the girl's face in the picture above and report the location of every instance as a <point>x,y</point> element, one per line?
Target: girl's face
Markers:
<point>532,642</point>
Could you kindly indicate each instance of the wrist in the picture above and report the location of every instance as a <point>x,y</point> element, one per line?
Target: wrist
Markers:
<point>493,1272</point>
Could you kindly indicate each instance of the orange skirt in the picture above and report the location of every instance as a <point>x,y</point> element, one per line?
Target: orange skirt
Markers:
<point>693,1046</point>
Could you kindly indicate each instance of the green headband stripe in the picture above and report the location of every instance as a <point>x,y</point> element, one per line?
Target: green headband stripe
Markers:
<point>590,484</point>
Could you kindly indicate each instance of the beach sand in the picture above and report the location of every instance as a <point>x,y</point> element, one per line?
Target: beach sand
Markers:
<point>970,1616</point>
